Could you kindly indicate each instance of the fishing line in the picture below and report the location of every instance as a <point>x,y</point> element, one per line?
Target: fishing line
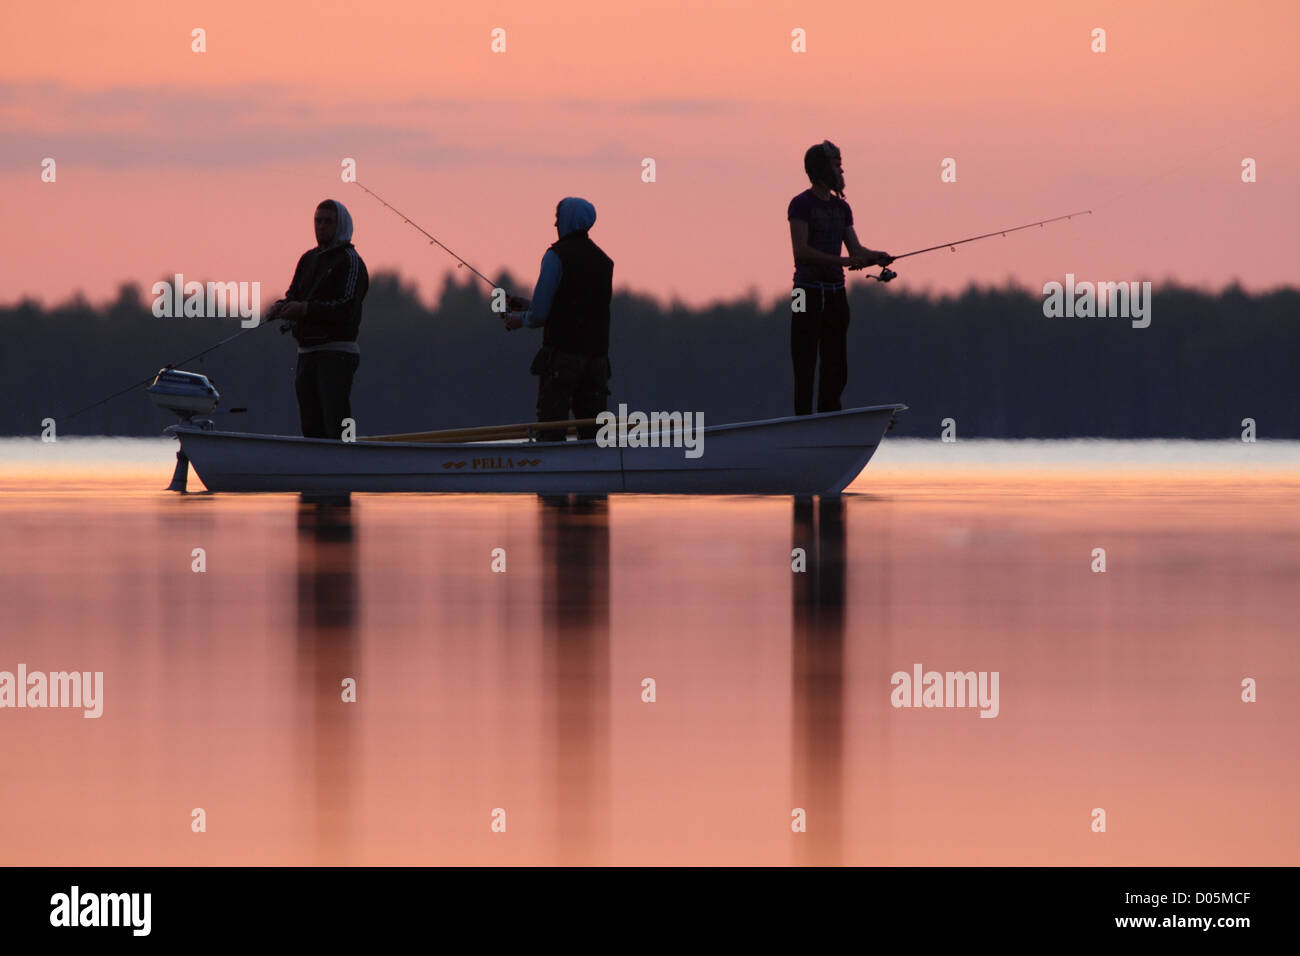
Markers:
<point>887,274</point>
<point>1187,164</point>
<point>129,388</point>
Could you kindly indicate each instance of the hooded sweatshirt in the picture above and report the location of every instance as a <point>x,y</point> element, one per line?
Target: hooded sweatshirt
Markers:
<point>333,281</point>
<point>576,313</point>
<point>573,215</point>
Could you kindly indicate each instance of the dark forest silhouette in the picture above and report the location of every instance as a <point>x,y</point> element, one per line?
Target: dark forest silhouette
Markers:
<point>987,358</point>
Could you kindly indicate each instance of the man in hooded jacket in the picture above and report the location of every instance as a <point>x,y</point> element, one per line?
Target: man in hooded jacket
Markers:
<point>571,305</point>
<point>323,306</point>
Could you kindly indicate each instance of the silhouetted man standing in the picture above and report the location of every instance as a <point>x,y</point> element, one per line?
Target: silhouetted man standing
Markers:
<point>820,222</point>
<point>571,304</point>
<point>323,305</point>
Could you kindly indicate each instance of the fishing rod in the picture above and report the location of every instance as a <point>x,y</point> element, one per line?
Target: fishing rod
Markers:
<point>406,219</point>
<point>886,273</point>
<point>129,388</point>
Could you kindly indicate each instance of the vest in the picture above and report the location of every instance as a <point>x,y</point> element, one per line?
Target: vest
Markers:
<point>578,322</point>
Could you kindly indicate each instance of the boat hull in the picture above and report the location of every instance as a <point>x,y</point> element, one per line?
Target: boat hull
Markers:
<point>809,454</point>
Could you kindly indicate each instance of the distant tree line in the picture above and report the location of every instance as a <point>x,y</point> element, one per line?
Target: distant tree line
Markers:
<point>987,358</point>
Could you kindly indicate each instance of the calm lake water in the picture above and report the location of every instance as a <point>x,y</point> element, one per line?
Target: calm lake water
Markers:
<point>483,695</point>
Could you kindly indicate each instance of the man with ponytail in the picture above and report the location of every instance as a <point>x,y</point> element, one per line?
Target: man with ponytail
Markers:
<point>821,222</point>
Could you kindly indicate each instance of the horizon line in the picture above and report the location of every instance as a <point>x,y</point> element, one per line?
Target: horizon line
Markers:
<point>78,298</point>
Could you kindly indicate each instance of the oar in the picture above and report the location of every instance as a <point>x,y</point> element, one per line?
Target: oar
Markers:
<point>488,432</point>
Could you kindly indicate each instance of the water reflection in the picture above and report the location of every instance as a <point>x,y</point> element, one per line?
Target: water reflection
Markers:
<point>328,603</point>
<point>817,678</point>
<point>222,688</point>
<point>575,634</point>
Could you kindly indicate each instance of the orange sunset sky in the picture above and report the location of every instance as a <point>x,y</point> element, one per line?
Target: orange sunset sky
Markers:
<point>211,163</point>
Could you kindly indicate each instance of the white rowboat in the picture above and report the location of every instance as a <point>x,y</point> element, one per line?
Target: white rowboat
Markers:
<point>807,454</point>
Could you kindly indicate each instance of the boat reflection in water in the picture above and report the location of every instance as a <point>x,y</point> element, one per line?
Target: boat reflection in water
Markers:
<point>576,660</point>
<point>327,652</point>
<point>817,678</point>
<point>522,690</point>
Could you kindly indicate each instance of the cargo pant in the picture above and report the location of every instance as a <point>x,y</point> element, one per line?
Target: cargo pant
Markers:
<point>822,329</point>
<point>570,382</point>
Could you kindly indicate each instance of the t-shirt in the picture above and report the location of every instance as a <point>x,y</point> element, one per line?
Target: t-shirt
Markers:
<point>827,219</point>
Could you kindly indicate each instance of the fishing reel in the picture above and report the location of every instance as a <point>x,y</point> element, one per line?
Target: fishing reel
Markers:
<point>885,275</point>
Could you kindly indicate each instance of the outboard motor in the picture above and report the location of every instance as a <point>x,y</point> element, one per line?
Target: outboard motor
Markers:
<point>187,394</point>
